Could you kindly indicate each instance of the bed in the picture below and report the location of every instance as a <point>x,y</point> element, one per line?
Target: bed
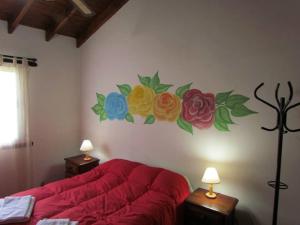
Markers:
<point>118,192</point>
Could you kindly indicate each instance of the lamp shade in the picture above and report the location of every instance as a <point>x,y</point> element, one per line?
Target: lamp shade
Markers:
<point>211,176</point>
<point>86,146</point>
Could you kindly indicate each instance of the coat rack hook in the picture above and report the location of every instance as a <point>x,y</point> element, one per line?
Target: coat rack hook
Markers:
<point>286,111</point>
<point>276,94</point>
<point>291,94</point>
<point>269,104</point>
<point>268,129</point>
<point>263,101</point>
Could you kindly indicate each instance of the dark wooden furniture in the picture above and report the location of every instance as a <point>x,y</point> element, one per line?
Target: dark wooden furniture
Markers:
<point>76,165</point>
<point>200,210</point>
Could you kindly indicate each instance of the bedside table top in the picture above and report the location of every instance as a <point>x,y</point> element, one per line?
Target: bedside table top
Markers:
<point>223,204</point>
<point>78,160</point>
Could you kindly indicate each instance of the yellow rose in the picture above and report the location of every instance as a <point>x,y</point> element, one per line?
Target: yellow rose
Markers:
<point>140,100</point>
<point>166,106</point>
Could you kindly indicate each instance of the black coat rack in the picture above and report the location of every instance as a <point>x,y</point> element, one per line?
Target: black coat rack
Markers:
<point>282,110</point>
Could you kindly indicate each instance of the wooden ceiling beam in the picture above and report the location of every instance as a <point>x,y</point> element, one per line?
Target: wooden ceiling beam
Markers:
<point>53,30</point>
<point>99,20</point>
<point>13,23</point>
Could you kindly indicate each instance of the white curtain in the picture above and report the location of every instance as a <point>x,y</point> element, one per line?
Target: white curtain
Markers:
<point>16,153</point>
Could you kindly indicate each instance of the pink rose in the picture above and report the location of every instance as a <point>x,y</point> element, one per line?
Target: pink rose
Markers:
<point>198,108</point>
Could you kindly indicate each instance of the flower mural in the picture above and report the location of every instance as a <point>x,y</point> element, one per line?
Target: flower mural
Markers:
<point>198,108</point>
<point>188,107</point>
<point>140,100</point>
<point>115,106</point>
<point>166,107</point>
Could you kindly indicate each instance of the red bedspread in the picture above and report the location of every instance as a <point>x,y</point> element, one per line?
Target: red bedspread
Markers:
<point>118,192</point>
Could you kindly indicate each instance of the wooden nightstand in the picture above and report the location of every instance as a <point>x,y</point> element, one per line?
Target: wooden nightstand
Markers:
<point>76,165</point>
<point>200,210</point>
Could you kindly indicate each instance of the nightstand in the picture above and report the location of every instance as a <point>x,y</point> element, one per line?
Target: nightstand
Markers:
<point>76,165</point>
<point>200,210</point>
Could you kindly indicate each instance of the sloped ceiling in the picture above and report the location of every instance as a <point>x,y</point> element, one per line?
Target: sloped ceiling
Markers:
<point>58,16</point>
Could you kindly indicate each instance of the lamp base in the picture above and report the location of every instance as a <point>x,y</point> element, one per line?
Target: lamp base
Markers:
<point>87,158</point>
<point>210,195</point>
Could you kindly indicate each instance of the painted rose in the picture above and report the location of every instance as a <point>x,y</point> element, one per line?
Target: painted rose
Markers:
<point>115,106</point>
<point>140,100</point>
<point>166,106</point>
<point>198,108</point>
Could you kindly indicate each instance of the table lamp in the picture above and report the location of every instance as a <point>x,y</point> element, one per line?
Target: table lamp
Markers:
<point>211,177</point>
<point>86,147</point>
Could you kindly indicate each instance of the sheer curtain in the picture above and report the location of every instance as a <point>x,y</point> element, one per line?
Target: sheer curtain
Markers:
<point>15,149</point>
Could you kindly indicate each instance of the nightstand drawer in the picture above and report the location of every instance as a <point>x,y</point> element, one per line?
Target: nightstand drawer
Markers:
<point>71,168</point>
<point>87,167</point>
<point>196,215</point>
<point>194,219</point>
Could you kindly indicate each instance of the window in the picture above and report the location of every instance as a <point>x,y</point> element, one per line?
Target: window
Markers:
<point>8,108</point>
<point>14,131</point>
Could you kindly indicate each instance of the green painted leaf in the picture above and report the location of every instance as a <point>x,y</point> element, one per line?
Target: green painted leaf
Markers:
<point>241,110</point>
<point>181,90</point>
<point>155,81</point>
<point>234,100</point>
<point>185,125</point>
<point>97,109</point>
<point>223,115</point>
<point>162,88</point>
<point>129,118</point>
<point>222,97</point>
<point>100,99</point>
<point>125,89</point>
<point>103,115</point>
<point>221,126</point>
<point>145,80</point>
<point>149,119</point>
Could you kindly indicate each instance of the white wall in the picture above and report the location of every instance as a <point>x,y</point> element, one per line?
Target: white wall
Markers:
<point>54,106</point>
<point>218,45</point>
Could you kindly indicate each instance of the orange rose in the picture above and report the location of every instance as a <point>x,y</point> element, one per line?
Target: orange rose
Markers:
<point>166,106</point>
